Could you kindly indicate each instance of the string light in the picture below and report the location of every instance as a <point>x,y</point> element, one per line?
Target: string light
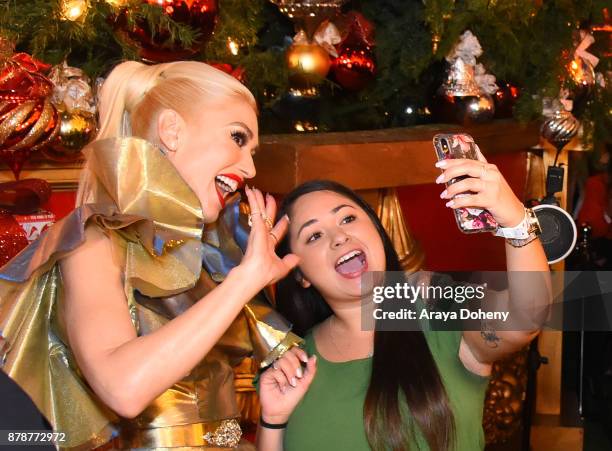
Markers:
<point>232,46</point>
<point>74,10</point>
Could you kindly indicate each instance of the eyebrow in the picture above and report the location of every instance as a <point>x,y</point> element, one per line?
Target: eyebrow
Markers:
<point>312,221</point>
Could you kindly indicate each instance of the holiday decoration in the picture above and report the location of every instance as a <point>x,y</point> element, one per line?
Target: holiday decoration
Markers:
<point>525,42</point>
<point>28,120</point>
<point>237,72</point>
<point>308,57</point>
<point>25,196</point>
<point>560,128</point>
<point>355,67</point>
<point>24,128</point>
<point>582,67</point>
<point>74,10</point>
<point>72,89</point>
<point>308,14</point>
<point>308,62</point>
<point>156,45</point>
<point>21,78</point>
<point>465,96</point>
<point>35,224</point>
<point>12,237</point>
<point>76,129</point>
<point>73,97</point>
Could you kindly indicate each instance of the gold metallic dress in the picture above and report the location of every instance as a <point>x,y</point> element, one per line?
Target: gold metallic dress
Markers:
<point>154,222</point>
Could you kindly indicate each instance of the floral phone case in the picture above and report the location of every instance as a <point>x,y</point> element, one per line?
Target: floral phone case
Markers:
<point>462,145</point>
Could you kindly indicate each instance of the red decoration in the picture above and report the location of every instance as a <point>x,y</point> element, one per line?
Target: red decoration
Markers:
<point>237,72</point>
<point>12,238</point>
<point>355,29</point>
<point>25,127</point>
<point>354,68</point>
<point>34,225</point>
<point>201,15</point>
<point>21,78</point>
<point>355,65</point>
<point>28,120</point>
<point>24,196</point>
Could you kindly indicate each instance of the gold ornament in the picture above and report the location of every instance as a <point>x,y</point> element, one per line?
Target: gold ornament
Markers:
<point>74,10</point>
<point>308,14</point>
<point>77,128</point>
<point>308,65</point>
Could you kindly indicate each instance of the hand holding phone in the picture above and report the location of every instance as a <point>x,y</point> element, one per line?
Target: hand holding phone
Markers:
<point>462,145</point>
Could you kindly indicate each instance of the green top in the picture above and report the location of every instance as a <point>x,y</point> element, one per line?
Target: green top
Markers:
<point>330,416</point>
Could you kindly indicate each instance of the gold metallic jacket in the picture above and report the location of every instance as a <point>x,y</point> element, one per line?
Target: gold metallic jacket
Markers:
<point>154,222</point>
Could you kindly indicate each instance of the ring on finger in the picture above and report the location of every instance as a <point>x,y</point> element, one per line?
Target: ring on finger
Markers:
<point>255,213</point>
<point>274,237</point>
<point>268,222</point>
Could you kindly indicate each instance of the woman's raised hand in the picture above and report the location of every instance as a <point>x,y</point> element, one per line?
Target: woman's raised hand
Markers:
<point>260,258</point>
<point>283,385</point>
<point>489,187</point>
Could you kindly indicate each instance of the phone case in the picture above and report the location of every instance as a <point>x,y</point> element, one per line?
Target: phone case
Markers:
<point>462,145</point>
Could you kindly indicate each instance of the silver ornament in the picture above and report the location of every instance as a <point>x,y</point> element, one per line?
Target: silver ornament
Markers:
<point>560,128</point>
<point>460,81</point>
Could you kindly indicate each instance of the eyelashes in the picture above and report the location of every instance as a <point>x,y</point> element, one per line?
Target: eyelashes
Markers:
<point>239,137</point>
<point>316,235</point>
<point>349,218</point>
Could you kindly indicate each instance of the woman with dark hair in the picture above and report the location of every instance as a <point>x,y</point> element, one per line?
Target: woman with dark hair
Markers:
<point>361,389</point>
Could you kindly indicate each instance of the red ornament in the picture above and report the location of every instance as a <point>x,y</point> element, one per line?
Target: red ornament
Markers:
<point>21,78</point>
<point>28,120</point>
<point>25,127</point>
<point>12,238</point>
<point>201,15</point>
<point>354,68</point>
<point>237,72</point>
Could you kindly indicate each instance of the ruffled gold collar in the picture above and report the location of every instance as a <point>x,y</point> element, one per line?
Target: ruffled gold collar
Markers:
<point>139,179</point>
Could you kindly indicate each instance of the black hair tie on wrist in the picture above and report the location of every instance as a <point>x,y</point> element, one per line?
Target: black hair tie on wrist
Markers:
<point>271,425</point>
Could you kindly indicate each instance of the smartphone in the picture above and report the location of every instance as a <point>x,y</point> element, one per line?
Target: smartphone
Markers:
<point>462,145</point>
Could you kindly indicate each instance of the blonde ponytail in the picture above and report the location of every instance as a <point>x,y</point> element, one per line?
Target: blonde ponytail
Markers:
<point>134,94</point>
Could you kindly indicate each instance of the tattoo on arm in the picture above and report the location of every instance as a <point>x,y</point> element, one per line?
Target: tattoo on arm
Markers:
<point>489,335</point>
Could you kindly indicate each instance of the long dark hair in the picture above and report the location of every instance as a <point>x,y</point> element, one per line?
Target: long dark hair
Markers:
<point>402,363</point>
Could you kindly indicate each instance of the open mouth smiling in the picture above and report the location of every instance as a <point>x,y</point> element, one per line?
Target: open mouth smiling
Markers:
<point>352,264</point>
<point>227,184</point>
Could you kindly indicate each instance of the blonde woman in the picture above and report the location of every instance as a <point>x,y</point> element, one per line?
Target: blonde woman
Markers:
<point>124,321</point>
